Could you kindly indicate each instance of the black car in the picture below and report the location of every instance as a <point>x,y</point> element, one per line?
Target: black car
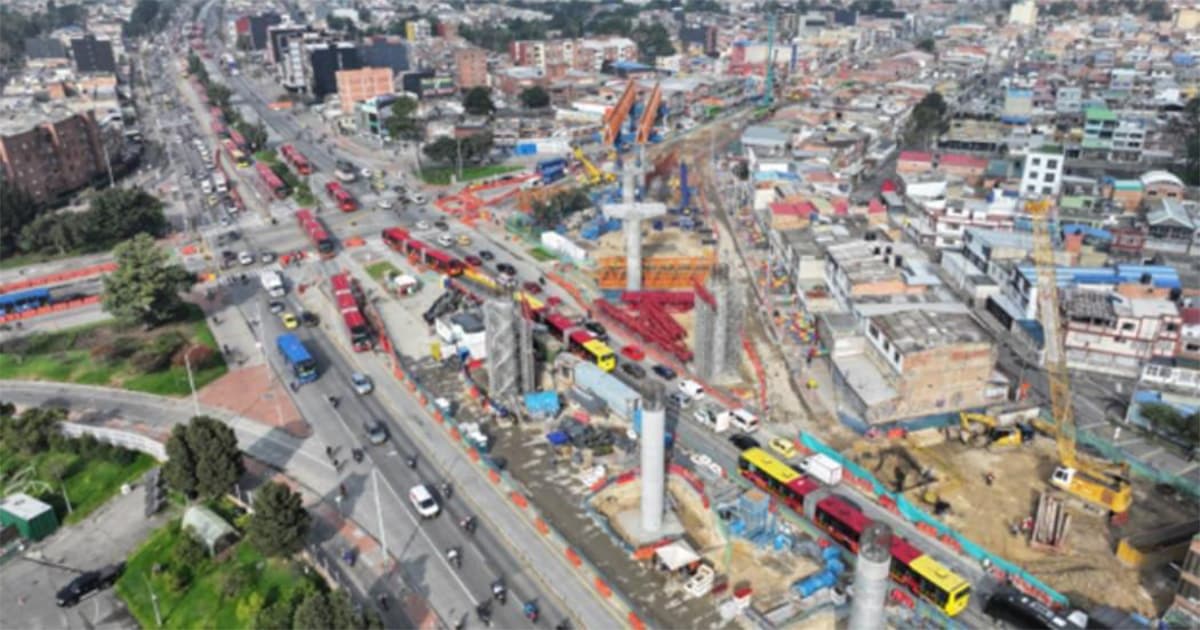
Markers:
<point>634,370</point>
<point>87,582</point>
<point>743,441</point>
<point>276,307</point>
<point>596,328</point>
<point>441,225</point>
<point>663,371</point>
<point>309,319</point>
<point>506,269</point>
<point>486,255</point>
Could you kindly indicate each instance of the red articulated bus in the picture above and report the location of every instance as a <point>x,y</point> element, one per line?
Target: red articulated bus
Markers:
<point>271,180</point>
<point>401,241</point>
<point>237,139</point>
<point>218,128</point>
<point>296,159</point>
<point>236,156</point>
<point>348,299</point>
<point>315,232</point>
<point>345,201</point>
<point>216,113</point>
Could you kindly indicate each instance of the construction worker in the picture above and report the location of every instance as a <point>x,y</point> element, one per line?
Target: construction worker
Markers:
<point>989,478</point>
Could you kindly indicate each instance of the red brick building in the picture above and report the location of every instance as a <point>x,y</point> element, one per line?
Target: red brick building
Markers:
<point>50,159</point>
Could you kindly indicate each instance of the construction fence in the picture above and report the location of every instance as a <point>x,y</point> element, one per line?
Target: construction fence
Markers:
<point>1001,569</point>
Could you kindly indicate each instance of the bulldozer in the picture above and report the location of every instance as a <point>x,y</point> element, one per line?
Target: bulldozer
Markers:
<point>994,436</point>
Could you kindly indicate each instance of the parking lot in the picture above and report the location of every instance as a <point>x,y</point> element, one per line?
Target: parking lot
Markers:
<point>28,582</point>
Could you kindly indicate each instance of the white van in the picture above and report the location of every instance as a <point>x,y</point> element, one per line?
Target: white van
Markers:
<point>423,502</point>
<point>691,389</point>
<point>712,418</point>
<point>743,420</point>
<point>206,186</point>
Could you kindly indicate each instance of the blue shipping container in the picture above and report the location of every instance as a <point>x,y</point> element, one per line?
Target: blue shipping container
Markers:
<point>525,148</point>
<point>553,164</point>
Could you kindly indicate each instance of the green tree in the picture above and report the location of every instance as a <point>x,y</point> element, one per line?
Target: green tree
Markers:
<point>402,123</point>
<point>180,469</point>
<point>30,432</point>
<point>255,135</point>
<point>146,18</point>
<point>314,612</point>
<point>119,213</point>
<point>189,552</point>
<point>653,41</point>
<point>444,150</point>
<point>478,102</point>
<point>249,606</point>
<point>279,523</point>
<point>1188,168</point>
<point>145,286</point>
<point>276,616</point>
<point>535,97</point>
<point>18,210</point>
<point>209,461</point>
<point>927,44</point>
<point>1157,11</point>
<point>927,120</point>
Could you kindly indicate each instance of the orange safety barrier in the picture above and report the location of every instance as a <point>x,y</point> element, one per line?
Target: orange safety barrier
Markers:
<point>541,526</point>
<point>473,454</point>
<point>636,622</point>
<point>519,499</point>
<point>54,278</point>
<point>602,588</point>
<point>354,241</point>
<point>437,417</point>
<point>422,399</point>
<point>412,387</point>
<point>493,475</point>
<point>573,558</point>
<point>454,435</point>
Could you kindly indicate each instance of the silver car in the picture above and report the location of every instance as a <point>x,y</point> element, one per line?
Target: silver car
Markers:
<point>362,383</point>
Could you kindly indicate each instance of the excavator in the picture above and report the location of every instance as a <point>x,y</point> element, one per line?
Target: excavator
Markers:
<point>996,436</point>
<point>594,174</point>
<point>1105,486</point>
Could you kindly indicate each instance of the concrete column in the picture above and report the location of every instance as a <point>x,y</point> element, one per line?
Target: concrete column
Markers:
<point>654,429</point>
<point>633,252</point>
<point>871,577</point>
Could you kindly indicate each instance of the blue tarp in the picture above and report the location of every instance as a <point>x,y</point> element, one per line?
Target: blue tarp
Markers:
<point>542,403</point>
<point>558,438</point>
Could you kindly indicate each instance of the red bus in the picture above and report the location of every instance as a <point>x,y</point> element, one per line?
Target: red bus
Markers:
<point>236,156</point>
<point>216,113</point>
<point>345,201</point>
<point>237,139</point>
<point>296,159</point>
<point>218,128</point>
<point>348,298</point>
<point>315,232</point>
<point>399,240</point>
<point>271,180</point>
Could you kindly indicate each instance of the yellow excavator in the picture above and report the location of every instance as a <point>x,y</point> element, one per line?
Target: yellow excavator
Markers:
<point>1106,486</point>
<point>995,436</point>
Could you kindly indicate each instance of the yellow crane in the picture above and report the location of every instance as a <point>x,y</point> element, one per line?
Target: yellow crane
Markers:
<point>595,175</point>
<point>1107,487</point>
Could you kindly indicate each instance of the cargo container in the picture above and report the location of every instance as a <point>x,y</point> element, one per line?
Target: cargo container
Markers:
<point>823,469</point>
<point>34,519</point>
<point>620,398</point>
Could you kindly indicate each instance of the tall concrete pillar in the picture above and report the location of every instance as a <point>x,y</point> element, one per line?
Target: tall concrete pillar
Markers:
<point>633,253</point>
<point>871,577</point>
<point>654,433</point>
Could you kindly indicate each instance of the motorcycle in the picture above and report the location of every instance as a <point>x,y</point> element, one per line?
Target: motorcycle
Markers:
<point>468,523</point>
<point>531,612</point>
<point>357,453</point>
<point>412,462</point>
<point>453,556</point>
<point>484,612</point>
<point>447,491</point>
<point>333,401</point>
<point>499,593</point>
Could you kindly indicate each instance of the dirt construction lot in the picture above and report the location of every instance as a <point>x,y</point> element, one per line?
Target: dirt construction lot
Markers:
<point>1089,571</point>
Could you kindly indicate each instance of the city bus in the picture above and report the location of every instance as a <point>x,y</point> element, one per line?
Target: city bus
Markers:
<point>348,299</point>
<point>271,180</point>
<point>24,301</point>
<point>342,197</point>
<point>315,232</point>
<point>237,139</point>
<point>296,159</point>
<point>303,366</point>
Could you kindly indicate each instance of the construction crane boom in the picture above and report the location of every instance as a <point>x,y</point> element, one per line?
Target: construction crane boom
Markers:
<point>594,174</point>
<point>615,117</point>
<point>1107,488</point>
<point>649,115</point>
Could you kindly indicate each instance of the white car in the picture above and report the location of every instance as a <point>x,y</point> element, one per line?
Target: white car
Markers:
<point>365,172</point>
<point>423,502</point>
<point>423,225</point>
<point>385,204</point>
<point>445,240</point>
<point>246,258</point>
<point>417,198</point>
<point>361,382</point>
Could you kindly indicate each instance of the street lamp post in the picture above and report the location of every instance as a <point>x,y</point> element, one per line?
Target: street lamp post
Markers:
<point>187,362</point>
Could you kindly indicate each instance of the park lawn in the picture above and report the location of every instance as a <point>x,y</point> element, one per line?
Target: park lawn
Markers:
<point>266,155</point>
<point>90,481</point>
<point>65,356</point>
<point>441,176</point>
<point>541,255</point>
<point>201,604</point>
<point>379,271</point>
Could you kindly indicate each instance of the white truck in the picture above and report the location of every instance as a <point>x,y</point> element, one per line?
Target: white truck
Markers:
<point>220,183</point>
<point>272,282</point>
<point>823,468</point>
<point>712,418</point>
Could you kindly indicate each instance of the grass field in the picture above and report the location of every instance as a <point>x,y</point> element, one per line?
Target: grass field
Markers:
<point>441,176</point>
<point>104,353</point>
<point>379,271</point>
<point>90,480</point>
<point>202,602</point>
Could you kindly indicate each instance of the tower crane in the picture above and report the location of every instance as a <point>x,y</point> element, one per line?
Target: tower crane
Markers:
<point>1104,486</point>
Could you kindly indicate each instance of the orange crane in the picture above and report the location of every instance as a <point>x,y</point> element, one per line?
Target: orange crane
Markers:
<point>649,115</point>
<point>615,117</point>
